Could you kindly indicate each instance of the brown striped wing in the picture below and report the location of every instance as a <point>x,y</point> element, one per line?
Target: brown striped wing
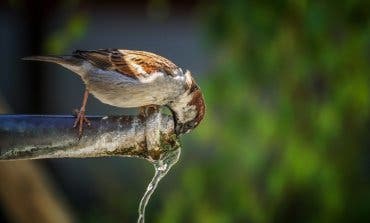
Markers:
<point>131,63</point>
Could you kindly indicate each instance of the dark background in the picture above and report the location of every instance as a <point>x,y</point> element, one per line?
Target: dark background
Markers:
<point>287,132</point>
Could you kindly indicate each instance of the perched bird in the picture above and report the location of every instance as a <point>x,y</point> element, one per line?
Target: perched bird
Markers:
<point>128,78</point>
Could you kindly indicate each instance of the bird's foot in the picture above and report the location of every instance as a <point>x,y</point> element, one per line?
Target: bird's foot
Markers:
<point>80,121</point>
<point>145,111</point>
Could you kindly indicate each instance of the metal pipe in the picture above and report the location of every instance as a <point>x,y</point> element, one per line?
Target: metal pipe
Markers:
<point>52,136</point>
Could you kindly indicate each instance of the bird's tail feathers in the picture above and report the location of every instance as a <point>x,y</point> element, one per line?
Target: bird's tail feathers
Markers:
<point>62,60</point>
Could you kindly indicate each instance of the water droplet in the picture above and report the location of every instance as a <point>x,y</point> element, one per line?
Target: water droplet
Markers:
<point>162,167</point>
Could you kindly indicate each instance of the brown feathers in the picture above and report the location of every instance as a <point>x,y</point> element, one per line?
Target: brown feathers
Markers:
<point>134,64</point>
<point>197,101</point>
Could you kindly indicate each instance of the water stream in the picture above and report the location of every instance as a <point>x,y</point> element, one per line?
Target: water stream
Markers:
<point>161,166</point>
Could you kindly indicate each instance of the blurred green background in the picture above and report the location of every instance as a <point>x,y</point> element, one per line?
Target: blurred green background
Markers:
<point>286,136</point>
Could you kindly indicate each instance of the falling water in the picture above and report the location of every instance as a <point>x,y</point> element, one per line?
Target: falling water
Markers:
<point>161,166</point>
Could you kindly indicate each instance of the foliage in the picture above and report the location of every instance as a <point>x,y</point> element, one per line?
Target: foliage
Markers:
<point>288,116</point>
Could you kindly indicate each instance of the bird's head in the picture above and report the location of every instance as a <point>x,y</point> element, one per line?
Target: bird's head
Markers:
<point>189,108</point>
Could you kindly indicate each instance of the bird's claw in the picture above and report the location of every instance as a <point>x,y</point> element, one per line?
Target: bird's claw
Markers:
<point>145,111</point>
<point>80,121</point>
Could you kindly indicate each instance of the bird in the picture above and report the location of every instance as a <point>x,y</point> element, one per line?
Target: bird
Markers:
<point>133,78</point>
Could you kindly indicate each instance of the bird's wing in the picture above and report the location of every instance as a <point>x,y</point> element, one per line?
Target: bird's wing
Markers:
<point>134,64</point>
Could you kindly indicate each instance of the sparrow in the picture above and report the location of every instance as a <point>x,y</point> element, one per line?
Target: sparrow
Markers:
<point>130,78</point>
